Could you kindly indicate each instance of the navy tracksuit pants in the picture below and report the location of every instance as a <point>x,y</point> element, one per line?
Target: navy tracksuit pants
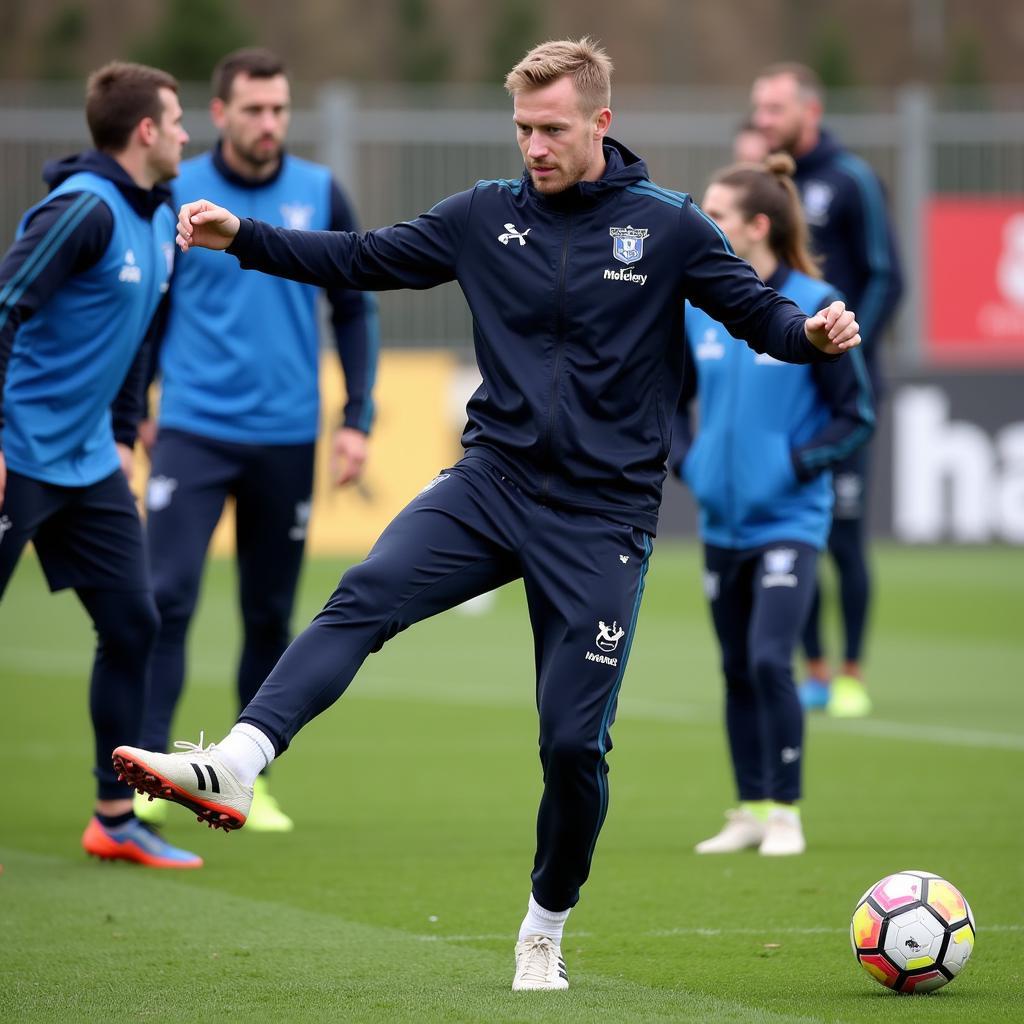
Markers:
<point>468,531</point>
<point>847,544</point>
<point>759,601</point>
<point>191,478</point>
<point>90,539</point>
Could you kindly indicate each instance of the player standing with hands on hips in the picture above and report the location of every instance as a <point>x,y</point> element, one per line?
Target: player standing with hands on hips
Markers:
<point>761,471</point>
<point>576,274</point>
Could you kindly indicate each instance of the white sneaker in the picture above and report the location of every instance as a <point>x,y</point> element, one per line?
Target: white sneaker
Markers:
<point>743,831</point>
<point>783,835</point>
<point>539,965</point>
<point>197,779</point>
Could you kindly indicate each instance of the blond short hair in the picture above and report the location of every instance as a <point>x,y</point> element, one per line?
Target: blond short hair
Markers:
<point>582,60</point>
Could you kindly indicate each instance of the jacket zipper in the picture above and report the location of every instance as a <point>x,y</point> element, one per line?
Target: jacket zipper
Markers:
<point>559,345</point>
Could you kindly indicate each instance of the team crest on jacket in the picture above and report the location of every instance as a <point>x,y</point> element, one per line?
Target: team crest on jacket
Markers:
<point>817,198</point>
<point>628,243</point>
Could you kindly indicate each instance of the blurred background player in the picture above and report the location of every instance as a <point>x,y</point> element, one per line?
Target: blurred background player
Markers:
<point>760,468</point>
<point>239,407</point>
<point>844,205</point>
<point>78,291</point>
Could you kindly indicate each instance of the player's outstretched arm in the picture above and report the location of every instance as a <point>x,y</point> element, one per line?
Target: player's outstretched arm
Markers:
<point>205,224</point>
<point>833,330</point>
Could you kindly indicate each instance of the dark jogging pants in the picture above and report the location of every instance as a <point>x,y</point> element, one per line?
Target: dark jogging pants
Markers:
<point>89,539</point>
<point>469,531</point>
<point>759,601</point>
<point>192,477</point>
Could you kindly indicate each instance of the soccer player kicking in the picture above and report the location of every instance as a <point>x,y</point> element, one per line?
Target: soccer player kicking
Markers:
<point>78,291</point>
<point>576,274</point>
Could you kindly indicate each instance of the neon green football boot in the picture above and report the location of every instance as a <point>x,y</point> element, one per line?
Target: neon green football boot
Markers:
<point>266,815</point>
<point>152,812</point>
<point>849,698</point>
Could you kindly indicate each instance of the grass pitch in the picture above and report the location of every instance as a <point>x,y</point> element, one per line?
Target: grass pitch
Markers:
<point>398,896</point>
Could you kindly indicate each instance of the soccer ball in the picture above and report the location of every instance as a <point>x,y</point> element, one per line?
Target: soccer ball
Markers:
<point>912,931</point>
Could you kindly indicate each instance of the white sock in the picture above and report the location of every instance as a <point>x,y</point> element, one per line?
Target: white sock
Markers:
<point>246,751</point>
<point>539,921</point>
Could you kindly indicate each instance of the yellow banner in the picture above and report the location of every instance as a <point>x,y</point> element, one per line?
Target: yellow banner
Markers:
<point>415,434</point>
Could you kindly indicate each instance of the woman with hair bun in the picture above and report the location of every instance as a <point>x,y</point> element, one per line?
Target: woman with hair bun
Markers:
<point>759,467</point>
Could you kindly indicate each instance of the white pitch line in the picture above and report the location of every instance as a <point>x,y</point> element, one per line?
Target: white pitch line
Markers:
<point>669,933</point>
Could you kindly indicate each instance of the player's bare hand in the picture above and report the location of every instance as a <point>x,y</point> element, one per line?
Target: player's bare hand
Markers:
<point>348,456</point>
<point>833,330</point>
<point>127,456</point>
<point>205,224</point>
<point>147,433</point>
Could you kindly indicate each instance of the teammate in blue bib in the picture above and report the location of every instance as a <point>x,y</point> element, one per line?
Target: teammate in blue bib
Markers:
<point>79,289</point>
<point>760,469</point>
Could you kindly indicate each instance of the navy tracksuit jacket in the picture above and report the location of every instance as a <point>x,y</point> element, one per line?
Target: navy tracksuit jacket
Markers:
<point>844,204</point>
<point>845,207</point>
<point>577,303</point>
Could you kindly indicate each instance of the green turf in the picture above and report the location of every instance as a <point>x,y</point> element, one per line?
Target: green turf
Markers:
<point>398,896</point>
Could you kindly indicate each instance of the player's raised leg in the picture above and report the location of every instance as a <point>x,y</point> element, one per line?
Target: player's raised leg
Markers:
<point>455,540</point>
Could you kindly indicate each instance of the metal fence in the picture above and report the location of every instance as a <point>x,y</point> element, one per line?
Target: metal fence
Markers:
<point>398,151</point>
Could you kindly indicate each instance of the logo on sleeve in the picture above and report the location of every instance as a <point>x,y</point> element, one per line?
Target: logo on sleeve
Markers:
<point>433,483</point>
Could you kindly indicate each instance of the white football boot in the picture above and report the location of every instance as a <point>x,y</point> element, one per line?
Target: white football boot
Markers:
<point>197,779</point>
<point>783,834</point>
<point>539,965</point>
<point>743,831</point>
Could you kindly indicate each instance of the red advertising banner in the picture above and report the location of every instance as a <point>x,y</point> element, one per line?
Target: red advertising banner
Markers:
<point>975,287</point>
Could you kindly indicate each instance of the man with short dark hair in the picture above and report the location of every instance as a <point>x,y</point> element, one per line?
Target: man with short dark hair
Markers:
<point>239,407</point>
<point>78,291</point>
<point>850,230</point>
<point>576,274</point>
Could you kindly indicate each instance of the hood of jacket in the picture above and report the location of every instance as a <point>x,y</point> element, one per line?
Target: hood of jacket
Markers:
<point>145,202</point>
